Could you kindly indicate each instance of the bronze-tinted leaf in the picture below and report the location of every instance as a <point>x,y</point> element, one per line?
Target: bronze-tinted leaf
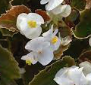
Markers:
<point>85,56</point>
<point>73,18</point>
<point>64,30</point>
<point>43,14</point>
<point>58,54</point>
<point>8,20</point>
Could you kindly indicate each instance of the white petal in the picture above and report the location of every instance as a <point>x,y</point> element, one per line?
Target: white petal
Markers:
<point>88,77</point>
<point>59,9</point>
<point>63,81</point>
<point>30,33</point>
<point>23,27</point>
<point>20,18</point>
<point>86,67</point>
<point>22,21</point>
<point>61,72</point>
<point>61,76</point>
<point>35,17</point>
<point>90,41</point>
<point>77,76</point>
<point>64,70</point>
<point>72,76</point>
<point>46,57</point>
<point>55,32</point>
<point>48,34</point>
<point>31,56</point>
<point>56,45</point>
<point>53,4</point>
<point>44,1</point>
<point>33,33</point>
<point>37,44</point>
<point>66,11</point>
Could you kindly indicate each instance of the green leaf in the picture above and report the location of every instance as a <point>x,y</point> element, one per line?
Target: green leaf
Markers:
<point>10,83</point>
<point>30,72</point>
<point>9,69</point>
<point>4,41</point>
<point>83,29</point>
<point>46,76</point>
<point>13,83</point>
<point>79,4</point>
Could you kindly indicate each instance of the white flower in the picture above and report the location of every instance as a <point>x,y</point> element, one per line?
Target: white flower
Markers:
<point>86,70</point>
<point>86,67</point>
<point>56,7</point>
<point>40,51</point>
<point>51,4</point>
<point>62,75</point>
<point>62,10</point>
<point>77,76</point>
<point>52,38</point>
<point>30,24</point>
<point>72,76</point>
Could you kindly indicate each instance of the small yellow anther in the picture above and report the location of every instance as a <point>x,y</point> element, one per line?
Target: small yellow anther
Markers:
<point>28,62</point>
<point>54,40</point>
<point>32,24</point>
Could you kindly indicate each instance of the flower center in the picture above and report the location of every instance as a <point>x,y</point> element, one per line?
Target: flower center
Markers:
<point>32,24</point>
<point>28,62</point>
<point>54,40</point>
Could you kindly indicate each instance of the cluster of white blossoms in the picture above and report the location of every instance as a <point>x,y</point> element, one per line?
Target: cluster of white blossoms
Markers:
<point>57,7</point>
<point>74,75</point>
<point>42,45</point>
<point>41,48</point>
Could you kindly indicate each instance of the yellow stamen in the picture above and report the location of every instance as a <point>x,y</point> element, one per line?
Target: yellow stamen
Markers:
<point>54,40</point>
<point>28,62</point>
<point>32,24</point>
